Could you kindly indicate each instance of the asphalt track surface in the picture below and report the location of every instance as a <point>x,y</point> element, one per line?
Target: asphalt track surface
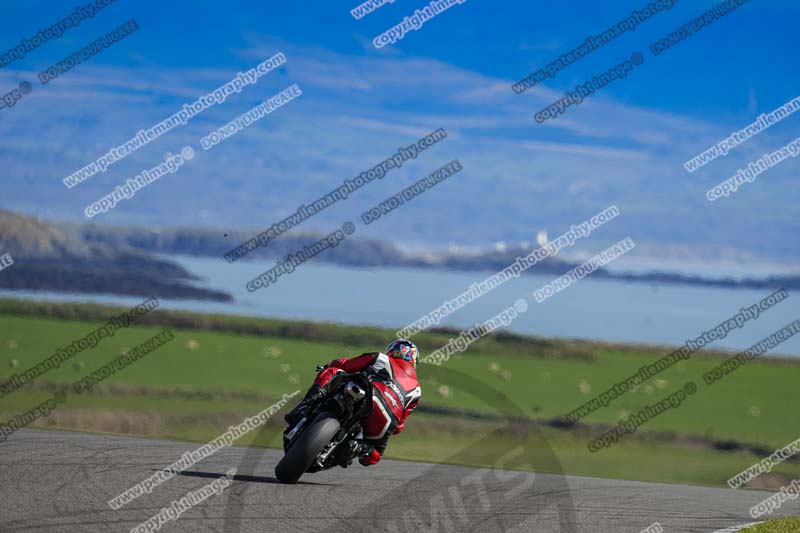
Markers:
<point>62,481</point>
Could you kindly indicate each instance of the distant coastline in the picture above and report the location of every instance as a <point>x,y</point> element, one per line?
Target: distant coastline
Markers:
<point>372,253</point>
<point>100,259</point>
<point>48,258</point>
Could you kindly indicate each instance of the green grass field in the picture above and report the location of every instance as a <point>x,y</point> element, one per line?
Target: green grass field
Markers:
<point>782,525</point>
<point>204,380</point>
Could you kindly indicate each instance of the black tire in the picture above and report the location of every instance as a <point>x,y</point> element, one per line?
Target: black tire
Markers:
<point>304,450</point>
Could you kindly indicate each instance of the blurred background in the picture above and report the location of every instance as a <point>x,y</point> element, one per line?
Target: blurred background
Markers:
<point>696,263</point>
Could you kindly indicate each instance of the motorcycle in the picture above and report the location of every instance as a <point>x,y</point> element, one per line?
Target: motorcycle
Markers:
<point>326,436</point>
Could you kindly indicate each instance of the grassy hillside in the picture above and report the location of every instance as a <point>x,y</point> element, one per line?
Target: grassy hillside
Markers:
<point>48,258</point>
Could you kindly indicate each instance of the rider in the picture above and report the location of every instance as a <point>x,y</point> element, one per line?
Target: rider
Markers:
<point>395,388</point>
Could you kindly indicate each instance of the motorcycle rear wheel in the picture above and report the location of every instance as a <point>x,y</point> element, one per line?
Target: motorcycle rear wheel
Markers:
<point>301,454</point>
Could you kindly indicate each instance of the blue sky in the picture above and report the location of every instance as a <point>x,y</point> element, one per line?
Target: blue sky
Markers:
<point>624,145</point>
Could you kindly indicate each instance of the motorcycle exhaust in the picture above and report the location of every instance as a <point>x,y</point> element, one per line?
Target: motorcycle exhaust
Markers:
<point>354,391</point>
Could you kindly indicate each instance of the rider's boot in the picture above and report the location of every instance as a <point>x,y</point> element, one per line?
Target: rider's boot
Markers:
<point>357,450</point>
<point>301,409</point>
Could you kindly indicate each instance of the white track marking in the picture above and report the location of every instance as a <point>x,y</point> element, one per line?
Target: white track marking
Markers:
<point>733,529</point>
